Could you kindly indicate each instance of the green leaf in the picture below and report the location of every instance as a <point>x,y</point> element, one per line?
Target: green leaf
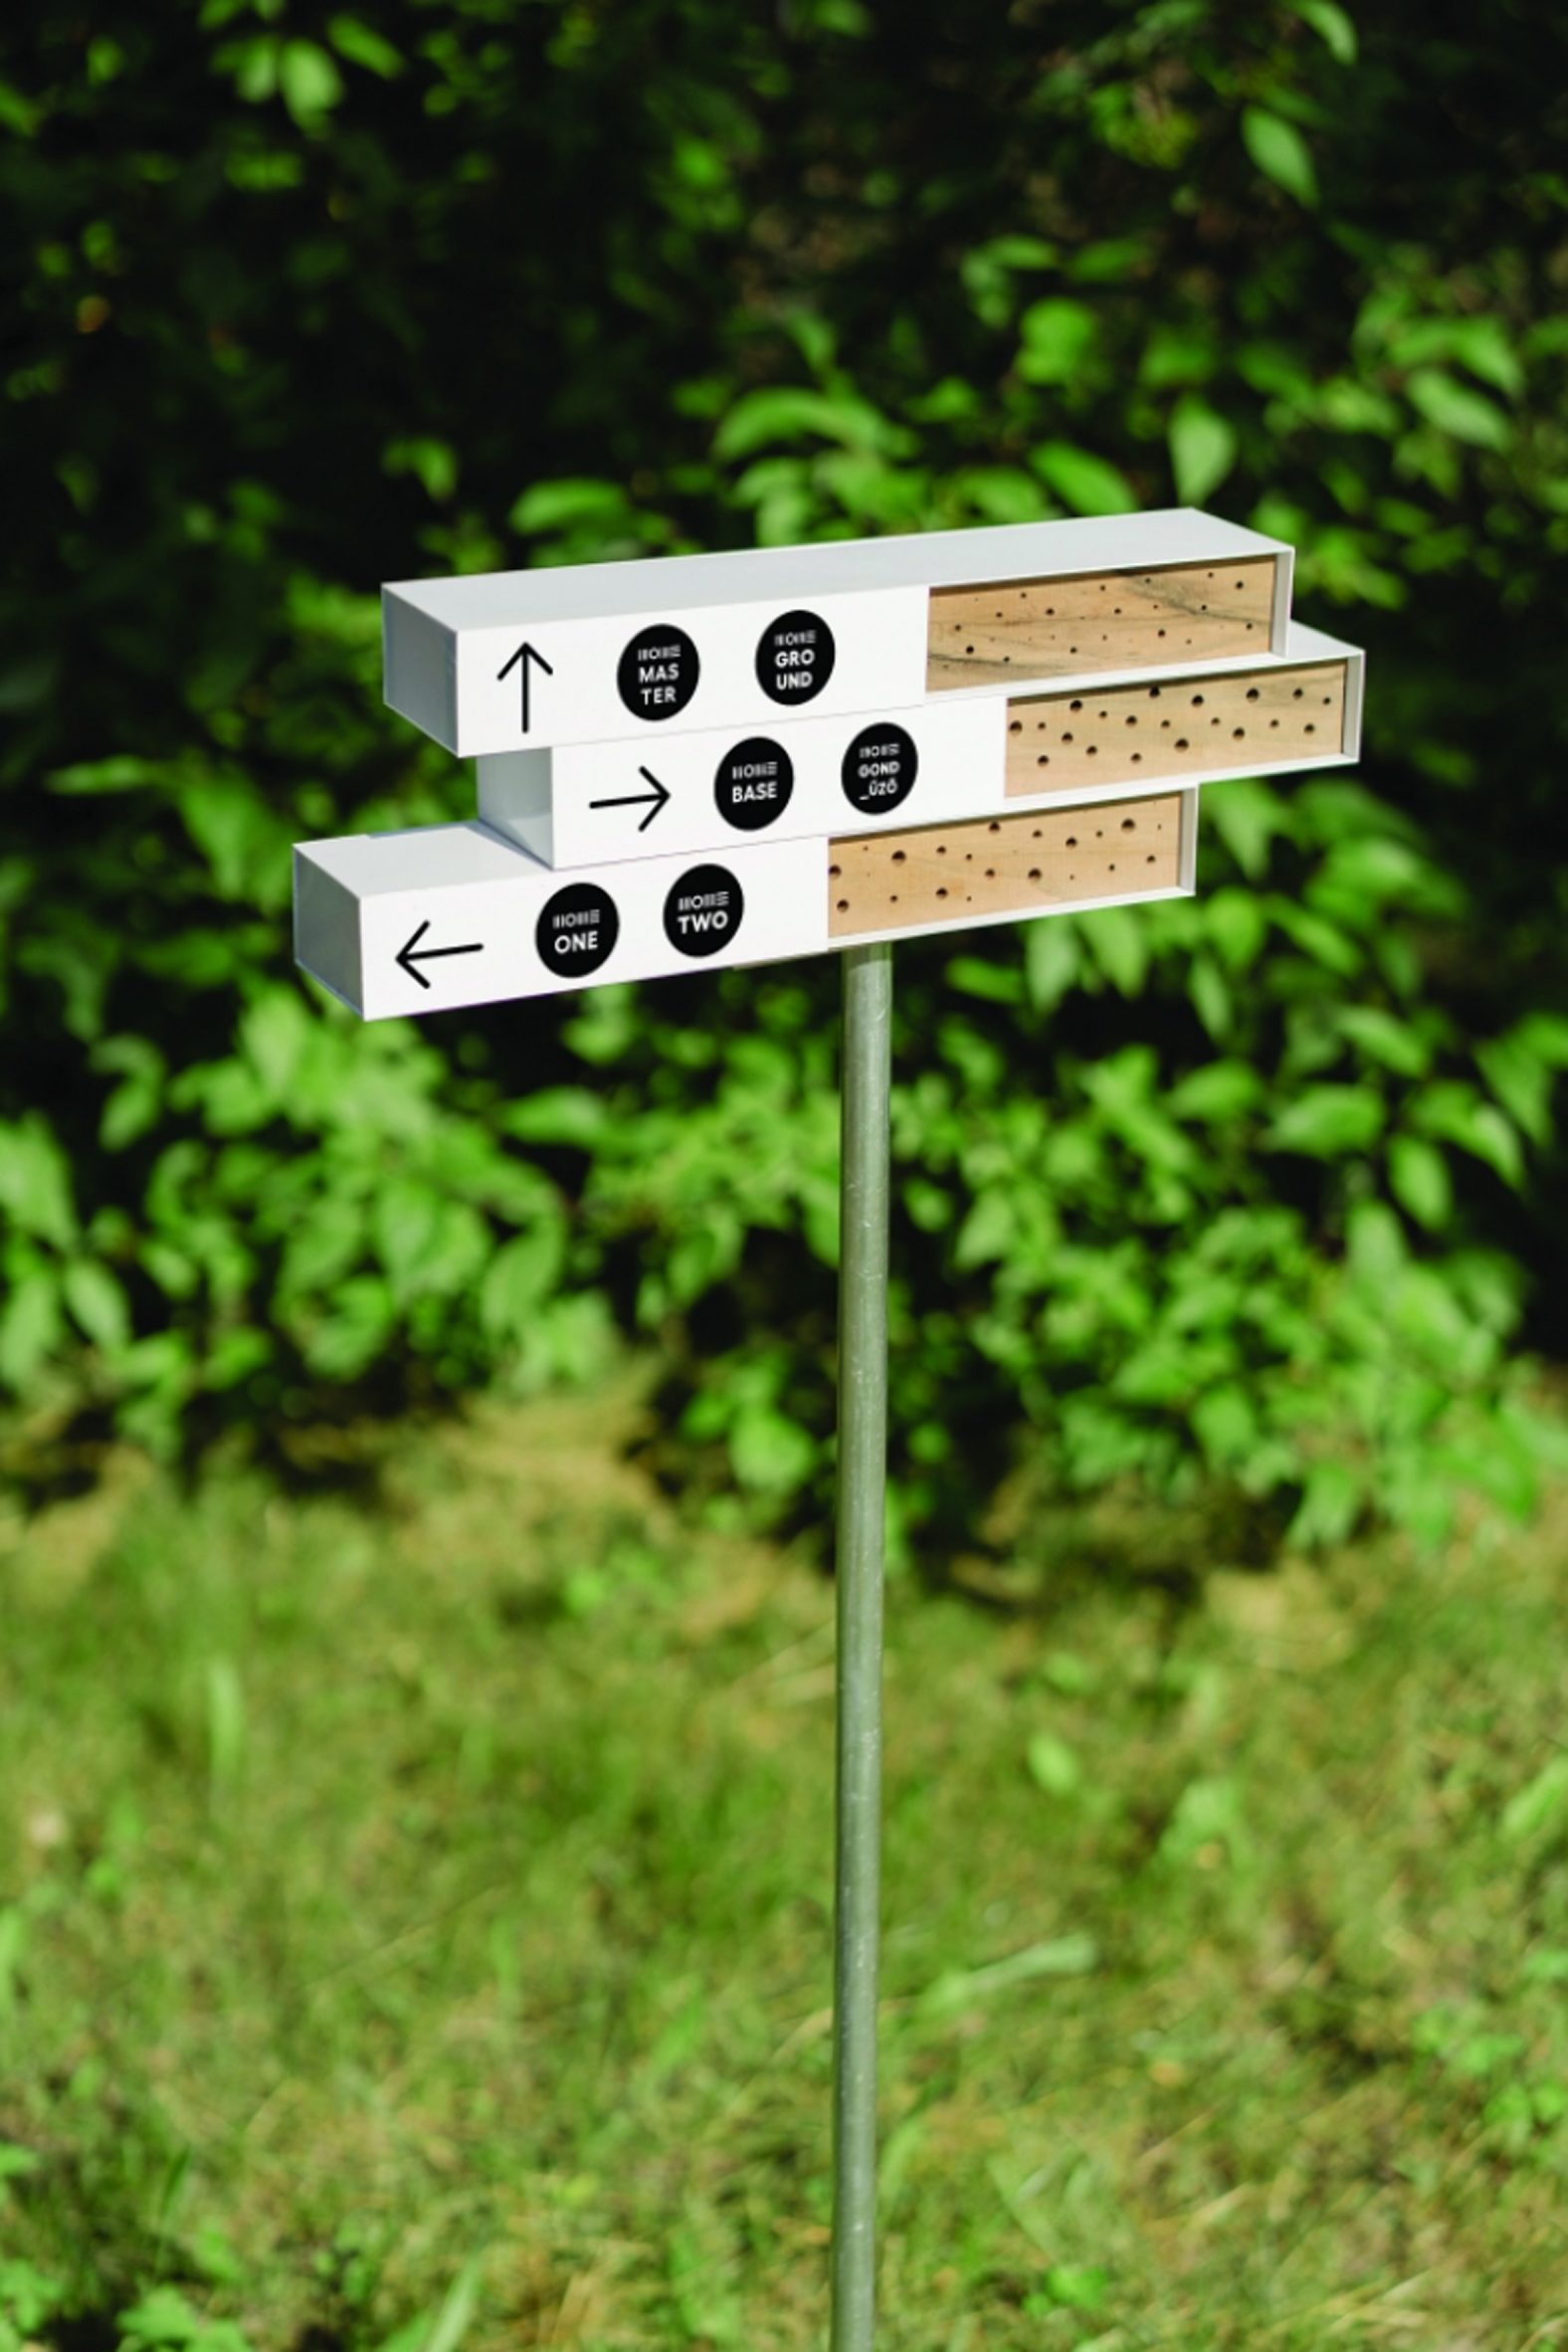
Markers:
<point>1076,2286</point>
<point>1088,483</point>
<point>1330,1123</point>
<point>34,1182</point>
<point>433,464</point>
<point>520,1278</point>
<point>31,1325</point>
<point>785,412</point>
<point>1053,961</point>
<point>1456,1112</point>
<point>1280,152</point>
<point>1383,1038</point>
<point>309,81</point>
<point>1540,1804</point>
<point>1118,939</point>
<point>1330,21</point>
<point>97,1303</point>
<point>1419,1177</point>
<point>1458,410</point>
<point>1058,338</point>
<point>1052,1765</point>
<point>1218,1092</point>
<point>1203,448</point>
<point>1331,1504</point>
<point>1227,1425</point>
<point>770,1454</point>
<point>362,47</point>
<point>1062,1955</point>
<point>554,505</point>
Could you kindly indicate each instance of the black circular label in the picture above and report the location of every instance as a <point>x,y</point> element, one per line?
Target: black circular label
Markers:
<point>880,769</point>
<point>795,657</point>
<point>658,672</point>
<point>577,931</point>
<point>702,912</point>
<point>753,783</point>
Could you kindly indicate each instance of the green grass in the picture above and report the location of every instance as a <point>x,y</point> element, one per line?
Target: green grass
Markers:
<point>414,1916</point>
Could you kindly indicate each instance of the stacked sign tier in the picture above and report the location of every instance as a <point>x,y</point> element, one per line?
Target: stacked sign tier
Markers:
<point>728,759</point>
<point>709,788</point>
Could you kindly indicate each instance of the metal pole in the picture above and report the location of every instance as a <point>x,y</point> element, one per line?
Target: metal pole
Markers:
<point>862,1478</point>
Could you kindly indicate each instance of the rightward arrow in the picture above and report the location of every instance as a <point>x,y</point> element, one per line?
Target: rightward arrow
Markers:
<point>527,654</point>
<point>652,801</point>
<point>411,962</point>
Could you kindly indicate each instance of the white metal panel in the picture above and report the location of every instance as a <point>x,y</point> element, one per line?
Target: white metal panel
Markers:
<point>834,567</point>
<point>493,662</point>
<point>591,803</point>
<point>448,916</point>
<point>588,680</point>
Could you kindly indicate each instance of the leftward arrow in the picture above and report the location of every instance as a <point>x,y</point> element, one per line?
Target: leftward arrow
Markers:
<point>654,800</point>
<point>411,962</point>
<point>527,654</point>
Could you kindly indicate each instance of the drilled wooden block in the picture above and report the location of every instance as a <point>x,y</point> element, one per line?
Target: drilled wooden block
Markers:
<point>1000,865</point>
<point>1099,621</point>
<point>1194,727</point>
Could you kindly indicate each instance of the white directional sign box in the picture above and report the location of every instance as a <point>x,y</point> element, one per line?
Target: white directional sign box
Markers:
<point>452,915</point>
<point>593,802</point>
<point>953,756</point>
<point>496,662</point>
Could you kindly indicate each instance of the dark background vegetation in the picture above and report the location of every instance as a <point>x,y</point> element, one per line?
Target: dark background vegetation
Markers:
<point>1258,1192</point>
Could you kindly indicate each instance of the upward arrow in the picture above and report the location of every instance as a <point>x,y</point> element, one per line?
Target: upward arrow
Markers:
<point>526,654</point>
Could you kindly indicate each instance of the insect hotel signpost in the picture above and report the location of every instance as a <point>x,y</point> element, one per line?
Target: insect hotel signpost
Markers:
<point>729,759</point>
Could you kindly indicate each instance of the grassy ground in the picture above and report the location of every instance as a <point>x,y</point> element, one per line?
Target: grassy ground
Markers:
<point>413,1920</point>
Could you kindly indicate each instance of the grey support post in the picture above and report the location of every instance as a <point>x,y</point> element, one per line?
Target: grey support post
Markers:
<point>862,1478</point>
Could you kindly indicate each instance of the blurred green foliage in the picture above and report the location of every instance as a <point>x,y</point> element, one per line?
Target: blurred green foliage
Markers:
<point>1256,1189</point>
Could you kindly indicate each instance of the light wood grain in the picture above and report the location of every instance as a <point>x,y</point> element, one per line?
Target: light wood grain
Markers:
<point>1193,726</point>
<point>988,636</point>
<point>1001,865</point>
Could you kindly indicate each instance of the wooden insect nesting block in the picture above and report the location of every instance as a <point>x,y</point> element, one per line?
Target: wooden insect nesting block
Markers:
<point>1135,620</point>
<point>1005,865</point>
